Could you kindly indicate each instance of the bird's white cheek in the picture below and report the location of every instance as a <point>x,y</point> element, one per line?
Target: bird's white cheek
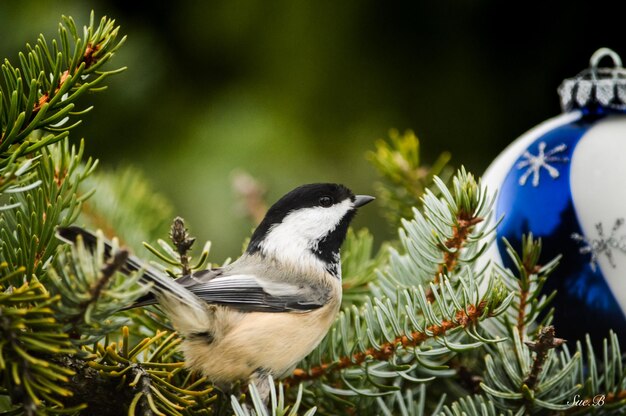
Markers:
<point>311,224</point>
<point>294,239</point>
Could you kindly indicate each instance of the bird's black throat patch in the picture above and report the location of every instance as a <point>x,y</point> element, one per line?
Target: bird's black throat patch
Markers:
<point>328,248</point>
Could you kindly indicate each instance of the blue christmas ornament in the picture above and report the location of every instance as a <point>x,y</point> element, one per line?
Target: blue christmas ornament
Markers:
<point>565,181</point>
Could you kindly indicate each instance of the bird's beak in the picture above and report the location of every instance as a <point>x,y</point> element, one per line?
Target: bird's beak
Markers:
<point>360,200</point>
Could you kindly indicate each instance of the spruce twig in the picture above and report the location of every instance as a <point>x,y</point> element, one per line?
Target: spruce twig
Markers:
<point>464,226</point>
<point>531,304</point>
<point>530,268</point>
<point>546,341</point>
<point>108,271</point>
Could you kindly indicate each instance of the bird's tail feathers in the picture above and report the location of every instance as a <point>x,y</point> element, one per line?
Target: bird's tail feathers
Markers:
<point>161,283</point>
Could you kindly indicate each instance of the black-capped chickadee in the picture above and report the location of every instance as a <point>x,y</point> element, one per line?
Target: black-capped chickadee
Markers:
<point>263,313</point>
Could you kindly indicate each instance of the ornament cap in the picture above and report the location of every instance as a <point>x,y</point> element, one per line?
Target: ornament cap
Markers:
<point>596,88</point>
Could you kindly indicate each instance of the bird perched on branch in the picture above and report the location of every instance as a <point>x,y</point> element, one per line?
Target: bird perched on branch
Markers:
<point>263,313</point>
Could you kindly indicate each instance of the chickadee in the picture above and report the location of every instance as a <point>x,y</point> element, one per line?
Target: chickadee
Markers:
<point>263,313</point>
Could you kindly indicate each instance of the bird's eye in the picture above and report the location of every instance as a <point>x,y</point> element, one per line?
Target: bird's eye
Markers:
<point>326,201</point>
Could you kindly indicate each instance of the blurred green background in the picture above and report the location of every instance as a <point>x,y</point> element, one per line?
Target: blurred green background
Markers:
<point>296,92</point>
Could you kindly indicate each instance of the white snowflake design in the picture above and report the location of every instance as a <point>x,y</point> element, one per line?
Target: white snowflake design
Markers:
<point>602,245</point>
<point>543,159</point>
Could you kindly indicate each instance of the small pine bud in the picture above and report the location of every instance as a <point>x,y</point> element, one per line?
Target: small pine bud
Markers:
<point>180,236</point>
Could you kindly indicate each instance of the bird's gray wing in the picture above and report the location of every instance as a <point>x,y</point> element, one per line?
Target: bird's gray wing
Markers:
<point>185,281</point>
<point>199,277</point>
<point>252,293</point>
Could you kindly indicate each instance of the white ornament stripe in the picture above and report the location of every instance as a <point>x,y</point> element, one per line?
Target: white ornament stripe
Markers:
<point>596,177</point>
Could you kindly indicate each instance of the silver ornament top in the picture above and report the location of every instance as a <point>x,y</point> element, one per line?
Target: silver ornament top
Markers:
<point>596,88</point>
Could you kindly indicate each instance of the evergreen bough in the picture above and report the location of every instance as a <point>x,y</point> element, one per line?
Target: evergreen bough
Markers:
<point>427,327</point>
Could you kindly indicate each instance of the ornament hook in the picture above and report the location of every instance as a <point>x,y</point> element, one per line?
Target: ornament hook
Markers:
<point>601,53</point>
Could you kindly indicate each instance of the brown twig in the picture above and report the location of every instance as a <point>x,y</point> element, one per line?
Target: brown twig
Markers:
<point>545,342</point>
<point>106,273</point>
<point>108,270</point>
<point>386,350</point>
<point>465,225</point>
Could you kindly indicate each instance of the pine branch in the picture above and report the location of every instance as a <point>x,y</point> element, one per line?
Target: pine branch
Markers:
<point>41,176</point>
<point>155,377</point>
<point>463,228</point>
<point>27,231</point>
<point>530,307</point>
<point>372,349</point>
<point>91,291</point>
<point>554,376</point>
<point>383,352</point>
<point>41,93</point>
<point>532,377</point>
<point>151,373</point>
<point>29,337</point>
<point>450,233</point>
<point>87,60</point>
<point>98,395</point>
<point>531,250</point>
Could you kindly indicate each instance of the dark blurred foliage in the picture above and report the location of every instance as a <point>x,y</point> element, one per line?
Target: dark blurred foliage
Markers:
<point>296,91</point>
